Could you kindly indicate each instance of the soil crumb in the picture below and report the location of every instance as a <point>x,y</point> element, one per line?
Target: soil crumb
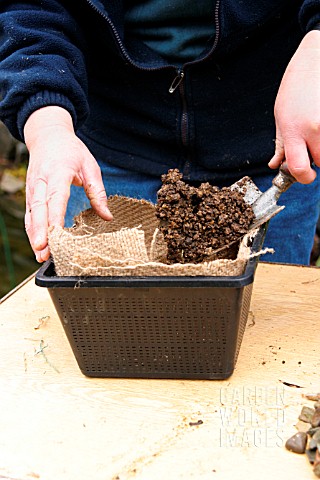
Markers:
<point>195,221</point>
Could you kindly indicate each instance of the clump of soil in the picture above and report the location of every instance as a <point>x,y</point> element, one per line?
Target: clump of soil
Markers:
<point>195,221</point>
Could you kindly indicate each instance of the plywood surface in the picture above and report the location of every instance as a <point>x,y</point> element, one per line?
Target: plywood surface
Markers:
<point>57,424</point>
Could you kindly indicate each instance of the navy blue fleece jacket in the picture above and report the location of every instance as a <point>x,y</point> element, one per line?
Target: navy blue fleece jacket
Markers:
<point>217,124</point>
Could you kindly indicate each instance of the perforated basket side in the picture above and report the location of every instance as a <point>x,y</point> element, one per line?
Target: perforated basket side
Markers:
<point>153,332</point>
<point>245,306</point>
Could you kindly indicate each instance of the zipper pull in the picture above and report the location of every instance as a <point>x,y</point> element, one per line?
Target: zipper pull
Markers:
<point>176,81</point>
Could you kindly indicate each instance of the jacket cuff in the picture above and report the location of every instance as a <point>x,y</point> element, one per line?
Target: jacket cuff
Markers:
<point>40,100</point>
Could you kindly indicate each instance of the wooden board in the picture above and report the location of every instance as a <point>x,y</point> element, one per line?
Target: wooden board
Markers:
<point>57,424</point>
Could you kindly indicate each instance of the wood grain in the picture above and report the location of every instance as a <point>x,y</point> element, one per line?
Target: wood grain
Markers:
<point>57,424</point>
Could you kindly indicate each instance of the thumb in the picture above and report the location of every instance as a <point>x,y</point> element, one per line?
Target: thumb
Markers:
<point>95,191</point>
<point>279,154</point>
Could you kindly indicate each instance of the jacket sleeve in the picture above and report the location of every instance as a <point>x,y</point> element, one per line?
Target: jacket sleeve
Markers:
<point>42,62</point>
<point>310,15</point>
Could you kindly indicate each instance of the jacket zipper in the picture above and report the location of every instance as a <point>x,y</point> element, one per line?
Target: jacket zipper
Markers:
<point>217,26</point>
<point>119,41</point>
<point>113,28</point>
<point>184,116</point>
<point>178,81</point>
<point>180,73</point>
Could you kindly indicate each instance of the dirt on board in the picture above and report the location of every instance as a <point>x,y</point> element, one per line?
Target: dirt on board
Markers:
<point>195,221</point>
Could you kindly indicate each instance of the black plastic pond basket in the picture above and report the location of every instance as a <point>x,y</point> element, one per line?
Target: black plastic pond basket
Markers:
<point>154,327</point>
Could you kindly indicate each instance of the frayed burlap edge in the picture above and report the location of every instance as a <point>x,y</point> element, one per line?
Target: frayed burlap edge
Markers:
<point>130,245</point>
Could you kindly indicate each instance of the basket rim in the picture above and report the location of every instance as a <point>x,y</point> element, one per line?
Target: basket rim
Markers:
<point>46,277</point>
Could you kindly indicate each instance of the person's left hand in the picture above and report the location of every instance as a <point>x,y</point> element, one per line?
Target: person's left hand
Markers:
<point>297,111</point>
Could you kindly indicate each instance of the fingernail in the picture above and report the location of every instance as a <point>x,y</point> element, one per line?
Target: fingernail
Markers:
<point>38,243</point>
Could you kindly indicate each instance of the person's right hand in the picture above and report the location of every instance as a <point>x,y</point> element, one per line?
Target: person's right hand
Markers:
<point>58,158</point>
<point>297,112</point>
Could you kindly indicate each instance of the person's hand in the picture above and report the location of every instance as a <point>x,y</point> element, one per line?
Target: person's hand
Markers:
<point>297,111</point>
<point>58,158</point>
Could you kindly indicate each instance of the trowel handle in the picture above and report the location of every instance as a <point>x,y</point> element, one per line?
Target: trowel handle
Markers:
<point>284,179</point>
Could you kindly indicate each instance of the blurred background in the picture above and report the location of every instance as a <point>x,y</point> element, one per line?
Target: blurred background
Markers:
<point>17,261</point>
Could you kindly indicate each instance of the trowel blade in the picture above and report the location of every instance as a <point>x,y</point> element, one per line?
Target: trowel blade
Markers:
<point>265,206</point>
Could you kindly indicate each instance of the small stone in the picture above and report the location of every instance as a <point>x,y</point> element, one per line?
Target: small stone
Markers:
<point>306,414</point>
<point>313,444</point>
<point>316,436</point>
<point>317,404</point>
<point>302,426</point>
<point>297,443</point>
<point>311,454</point>
<point>316,464</point>
<point>315,440</point>
<point>316,470</point>
<point>313,431</point>
<point>315,420</point>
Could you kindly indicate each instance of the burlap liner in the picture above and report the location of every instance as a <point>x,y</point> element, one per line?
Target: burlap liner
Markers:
<point>130,245</point>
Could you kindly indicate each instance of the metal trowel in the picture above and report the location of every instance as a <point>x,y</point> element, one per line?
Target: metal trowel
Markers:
<point>264,204</point>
